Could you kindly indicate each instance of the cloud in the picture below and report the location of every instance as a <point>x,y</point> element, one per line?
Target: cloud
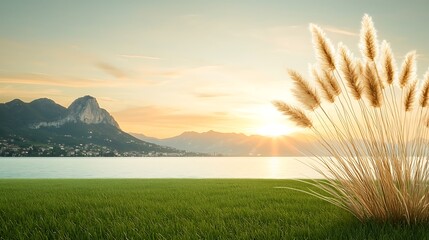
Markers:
<point>294,39</point>
<point>156,72</point>
<point>111,70</point>
<point>139,57</point>
<point>340,31</point>
<point>211,95</point>
<point>165,116</point>
<point>159,121</point>
<point>12,93</point>
<point>48,80</point>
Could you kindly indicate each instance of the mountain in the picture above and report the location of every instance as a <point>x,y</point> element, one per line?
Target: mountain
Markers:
<point>85,110</point>
<point>43,127</point>
<point>236,144</point>
<point>16,114</point>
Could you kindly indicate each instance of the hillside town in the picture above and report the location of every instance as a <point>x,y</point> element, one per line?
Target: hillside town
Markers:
<point>21,147</point>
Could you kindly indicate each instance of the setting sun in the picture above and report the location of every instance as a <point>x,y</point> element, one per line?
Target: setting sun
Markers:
<point>274,130</point>
<point>270,122</point>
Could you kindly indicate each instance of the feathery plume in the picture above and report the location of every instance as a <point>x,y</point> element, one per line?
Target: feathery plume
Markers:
<point>332,81</point>
<point>304,92</point>
<point>424,92</point>
<point>372,87</point>
<point>325,88</point>
<point>408,69</point>
<point>388,63</point>
<point>368,39</point>
<point>360,67</point>
<point>350,71</point>
<point>294,114</point>
<point>410,96</point>
<point>377,167</point>
<point>323,47</point>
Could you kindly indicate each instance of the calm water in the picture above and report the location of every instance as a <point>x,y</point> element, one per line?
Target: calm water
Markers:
<point>181,167</point>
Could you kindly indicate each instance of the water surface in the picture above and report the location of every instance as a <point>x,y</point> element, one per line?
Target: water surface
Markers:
<point>158,167</point>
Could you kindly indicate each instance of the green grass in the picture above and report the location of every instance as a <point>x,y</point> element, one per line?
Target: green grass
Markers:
<point>178,209</point>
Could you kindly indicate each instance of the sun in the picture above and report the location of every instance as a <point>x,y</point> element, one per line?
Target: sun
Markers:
<point>274,130</point>
<point>269,122</point>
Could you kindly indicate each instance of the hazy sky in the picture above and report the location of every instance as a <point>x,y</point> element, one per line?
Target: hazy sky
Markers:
<point>164,67</point>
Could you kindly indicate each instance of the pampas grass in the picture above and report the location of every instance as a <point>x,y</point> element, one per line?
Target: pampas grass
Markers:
<point>327,92</point>
<point>408,69</point>
<point>377,137</point>
<point>424,92</point>
<point>369,44</point>
<point>306,94</point>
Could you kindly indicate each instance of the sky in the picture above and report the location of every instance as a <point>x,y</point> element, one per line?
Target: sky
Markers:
<point>165,67</point>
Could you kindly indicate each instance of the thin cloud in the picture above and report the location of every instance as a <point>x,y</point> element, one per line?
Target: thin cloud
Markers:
<point>176,72</point>
<point>162,121</point>
<point>40,74</point>
<point>46,80</point>
<point>211,95</point>
<point>9,93</point>
<point>111,70</point>
<point>107,99</point>
<point>340,31</point>
<point>140,57</point>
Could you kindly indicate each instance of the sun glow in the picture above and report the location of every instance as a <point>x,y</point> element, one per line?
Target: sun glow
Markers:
<point>270,122</point>
<point>273,130</point>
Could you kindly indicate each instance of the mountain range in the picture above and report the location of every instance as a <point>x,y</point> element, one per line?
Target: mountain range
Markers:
<point>43,127</point>
<point>237,144</point>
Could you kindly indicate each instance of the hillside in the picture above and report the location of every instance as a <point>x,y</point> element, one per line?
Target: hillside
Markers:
<point>44,128</point>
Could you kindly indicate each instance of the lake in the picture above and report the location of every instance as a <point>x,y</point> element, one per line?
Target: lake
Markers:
<point>158,167</point>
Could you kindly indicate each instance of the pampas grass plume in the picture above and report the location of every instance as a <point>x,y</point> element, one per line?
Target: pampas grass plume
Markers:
<point>377,139</point>
<point>306,94</point>
<point>388,63</point>
<point>424,92</point>
<point>408,69</point>
<point>350,71</point>
<point>323,47</point>
<point>294,114</point>
<point>368,39</point>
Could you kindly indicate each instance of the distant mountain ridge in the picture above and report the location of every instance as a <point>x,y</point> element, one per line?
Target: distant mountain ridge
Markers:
<point>82,127</point>
<point>237,144</point>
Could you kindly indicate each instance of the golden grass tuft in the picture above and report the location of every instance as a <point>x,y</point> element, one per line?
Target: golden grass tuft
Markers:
<point>350,71</point>
<point>388,63</point>
<point>408,69</point>
<point>424,92</point>
<point>323,47</point>
<point>296,115</point>
<point>368,39</point>
<point>378,135</point>
<point>410,94</point>
<point>325,87</point>
<point>332,82</point>
<point>372,87</point>
<point>306,94</point>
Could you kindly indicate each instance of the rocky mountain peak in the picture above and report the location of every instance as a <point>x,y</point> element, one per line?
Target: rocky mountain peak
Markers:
<point>82,104</point>
<point>84,109</point>
<point>87,110</point>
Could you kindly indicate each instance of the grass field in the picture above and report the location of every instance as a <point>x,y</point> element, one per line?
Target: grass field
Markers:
<point>178,209</point>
